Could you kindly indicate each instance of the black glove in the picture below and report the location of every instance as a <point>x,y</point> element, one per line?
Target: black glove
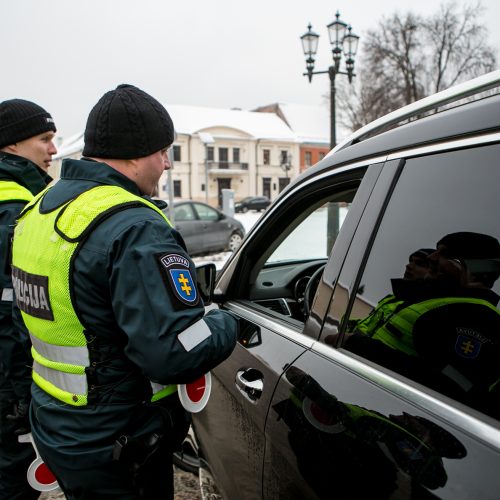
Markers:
<point>20,418</point>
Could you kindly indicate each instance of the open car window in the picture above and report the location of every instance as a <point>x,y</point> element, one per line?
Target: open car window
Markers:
<point>296,253</point>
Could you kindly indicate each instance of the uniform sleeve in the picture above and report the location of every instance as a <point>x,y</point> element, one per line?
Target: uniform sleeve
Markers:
<point>156,303</point>
<point>15,357</point>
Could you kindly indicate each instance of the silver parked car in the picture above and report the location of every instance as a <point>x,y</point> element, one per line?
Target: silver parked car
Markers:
<point>206,229</point>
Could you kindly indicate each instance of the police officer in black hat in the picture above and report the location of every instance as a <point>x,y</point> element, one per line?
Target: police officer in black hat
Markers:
<point>114,313</point>
<point>26,149</point>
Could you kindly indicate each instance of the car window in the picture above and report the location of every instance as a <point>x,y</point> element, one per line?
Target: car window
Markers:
<point>426,303</point>
<point>206,213</point>
<point>296,250</point>
<point>309,240</point>
<point>183,213</point>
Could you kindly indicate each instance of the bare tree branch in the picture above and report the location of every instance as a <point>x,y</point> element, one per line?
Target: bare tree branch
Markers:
<point>408,56</point>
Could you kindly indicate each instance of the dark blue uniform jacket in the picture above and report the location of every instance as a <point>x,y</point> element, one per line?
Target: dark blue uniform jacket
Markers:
<point>133,317</point>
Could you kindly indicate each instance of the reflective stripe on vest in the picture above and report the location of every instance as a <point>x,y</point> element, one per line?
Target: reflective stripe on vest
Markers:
<point>42,284</point>
<point>161,391</point>
<point>12,191</point>
<point>382,312</point>
<point>397,331</point>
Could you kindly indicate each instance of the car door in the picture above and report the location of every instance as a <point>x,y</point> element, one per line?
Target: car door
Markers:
<point>348,422</point>
<point>190,227</point>
<point>265,290</point>
<point>214,228</point>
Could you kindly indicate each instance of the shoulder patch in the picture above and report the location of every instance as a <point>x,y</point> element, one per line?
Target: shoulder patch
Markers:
<point>179,280</point>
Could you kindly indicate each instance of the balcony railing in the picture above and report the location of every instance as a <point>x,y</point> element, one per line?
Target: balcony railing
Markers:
<point>227,165</point>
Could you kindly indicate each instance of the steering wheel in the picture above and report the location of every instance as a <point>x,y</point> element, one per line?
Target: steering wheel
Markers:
<point>311,287</point>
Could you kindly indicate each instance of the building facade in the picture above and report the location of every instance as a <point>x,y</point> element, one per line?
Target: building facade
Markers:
<point>249,152</point>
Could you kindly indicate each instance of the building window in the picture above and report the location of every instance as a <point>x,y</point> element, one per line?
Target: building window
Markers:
<point>283,157</point>
<point>177,153</point>
<point>308,158</point>
<point>266,187</point>
<point>223,158</point>
<point>177,189</point>
<point>267,156</point>
<point>210,153</point>
<point>322,154</point>
<point>236,155</point>
<point>283,183</point>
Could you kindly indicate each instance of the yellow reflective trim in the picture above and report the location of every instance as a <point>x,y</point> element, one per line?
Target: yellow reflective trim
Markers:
<point>70,354</point>
<point>12,191</point>
<point>74,221</point>
<point>167,391</point>
<point>55,365</point>
<point>65,397</point>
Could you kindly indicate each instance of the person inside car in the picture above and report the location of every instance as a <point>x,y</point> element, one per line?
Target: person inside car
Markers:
<point>416,269</point>
<point>444,331</point>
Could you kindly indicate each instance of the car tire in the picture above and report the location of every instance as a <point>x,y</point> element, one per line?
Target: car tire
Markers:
<point>234,241</point>
<point>187,458</point>
<point>244,209</point>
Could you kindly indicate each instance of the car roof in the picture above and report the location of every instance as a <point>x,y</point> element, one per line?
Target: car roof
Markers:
<point>429,123</point>
<point>481,116</point>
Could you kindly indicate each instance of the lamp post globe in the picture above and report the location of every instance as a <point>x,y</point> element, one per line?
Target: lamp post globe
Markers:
<point>343,41</point>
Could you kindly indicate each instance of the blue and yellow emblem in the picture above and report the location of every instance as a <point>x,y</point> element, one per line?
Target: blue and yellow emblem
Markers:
<point>179,282</point>
<point>467,347</point>
<point>183,285</point>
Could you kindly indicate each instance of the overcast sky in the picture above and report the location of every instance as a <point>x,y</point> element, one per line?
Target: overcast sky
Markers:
<point>64,54</point>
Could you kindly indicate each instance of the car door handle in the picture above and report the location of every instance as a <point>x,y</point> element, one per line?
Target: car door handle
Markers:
<point>250,383</point>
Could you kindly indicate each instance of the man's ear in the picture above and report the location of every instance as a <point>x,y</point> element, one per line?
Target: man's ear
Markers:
<point>11,148</point>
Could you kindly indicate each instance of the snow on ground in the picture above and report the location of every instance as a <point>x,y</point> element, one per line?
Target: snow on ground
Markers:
<point>219,259</point>
<point>307,241</point>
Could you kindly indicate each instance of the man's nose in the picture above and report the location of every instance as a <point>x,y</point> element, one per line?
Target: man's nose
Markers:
<point>433,257</point>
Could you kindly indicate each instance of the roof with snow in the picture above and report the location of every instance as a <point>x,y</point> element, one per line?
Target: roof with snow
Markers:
<point>192,119</point>
<point>310,123</point>
<point>303,124</point>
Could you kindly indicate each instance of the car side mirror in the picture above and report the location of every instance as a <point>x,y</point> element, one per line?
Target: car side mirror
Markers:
<point>205,280</point>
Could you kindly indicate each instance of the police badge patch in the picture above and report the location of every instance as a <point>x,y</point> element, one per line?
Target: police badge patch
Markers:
<point>467,346</point>
<point>179,279</point>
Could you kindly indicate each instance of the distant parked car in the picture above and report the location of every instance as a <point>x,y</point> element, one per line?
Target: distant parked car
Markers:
<point>206,229</point>
<point>252,203</point>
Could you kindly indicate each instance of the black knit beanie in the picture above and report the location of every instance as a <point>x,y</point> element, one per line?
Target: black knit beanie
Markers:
<point>466,245</point>
<point>423,252</point>
<point>127,123</point>
<point>20,120</point>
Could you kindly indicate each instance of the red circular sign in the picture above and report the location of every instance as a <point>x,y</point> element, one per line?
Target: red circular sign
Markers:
<point>43,475</point>
<point>196,389</point>
<point>194,396</point>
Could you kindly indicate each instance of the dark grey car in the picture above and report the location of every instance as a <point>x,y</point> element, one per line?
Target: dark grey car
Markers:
<point>206,229</point>
<point>298,410</point>
<point>258,203</point>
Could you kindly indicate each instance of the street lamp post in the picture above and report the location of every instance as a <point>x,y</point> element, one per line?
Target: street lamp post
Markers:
<point>342,40</point>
